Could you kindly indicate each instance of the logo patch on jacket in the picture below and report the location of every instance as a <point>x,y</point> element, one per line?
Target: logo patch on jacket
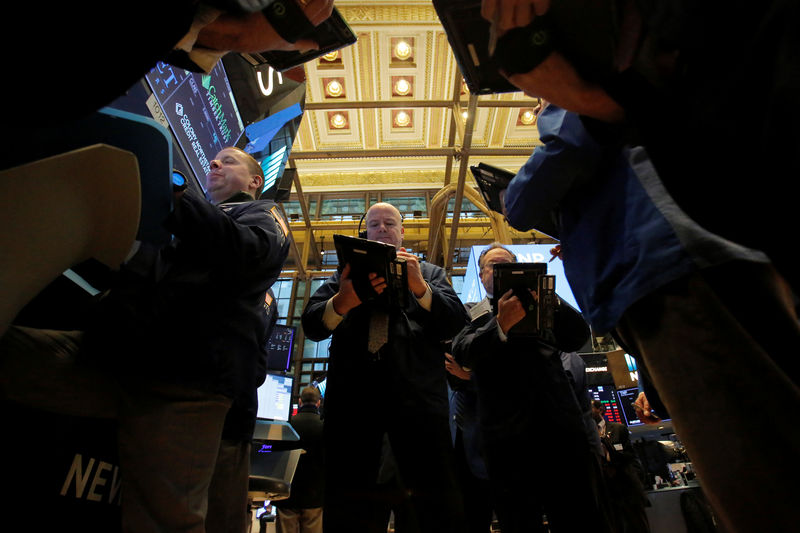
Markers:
<point>279,219</point>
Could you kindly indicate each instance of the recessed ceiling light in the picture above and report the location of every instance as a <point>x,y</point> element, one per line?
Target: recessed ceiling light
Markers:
<point>402,87</point>
<point>402,119</point>
<point>402,50</point>
<point>334,88</point>
<point>338,121</point>
<point>527,117</point>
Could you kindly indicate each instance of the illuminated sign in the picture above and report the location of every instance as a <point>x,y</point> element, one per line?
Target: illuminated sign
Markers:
<point>266,91</point>
<point>200,110</point>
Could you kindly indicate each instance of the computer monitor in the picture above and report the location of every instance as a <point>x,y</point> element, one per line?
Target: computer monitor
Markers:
<point>606,395</point>
<point>200,110</point>
<point>626,398</point>
<point>279,348</point>
<point>275,398</point>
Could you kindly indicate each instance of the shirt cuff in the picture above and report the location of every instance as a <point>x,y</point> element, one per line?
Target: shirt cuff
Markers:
<point>330,318</point>
<point>503,336</point>
<point>426,300</point>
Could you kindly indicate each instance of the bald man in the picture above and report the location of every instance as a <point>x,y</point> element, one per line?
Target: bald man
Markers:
<point>398,390</point>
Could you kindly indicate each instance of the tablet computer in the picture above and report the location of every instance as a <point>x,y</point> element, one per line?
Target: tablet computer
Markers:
<point>332,34</point>
<point>521,279</point>
<point>586,33</point>
<point>491,182</point>
<point>468,34</point>
<point>364,257</point>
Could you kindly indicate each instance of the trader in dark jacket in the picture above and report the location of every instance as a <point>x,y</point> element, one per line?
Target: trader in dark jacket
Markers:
<point>537,453</point>
<point>408,371</point>
<point>176,341</point>
<point>301,512</point>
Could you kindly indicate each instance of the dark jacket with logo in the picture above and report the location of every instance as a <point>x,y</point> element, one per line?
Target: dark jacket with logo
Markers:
<point>192,312</point>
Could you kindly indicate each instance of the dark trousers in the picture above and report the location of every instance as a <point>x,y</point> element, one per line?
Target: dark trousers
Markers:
<point>476,492</point>
<point>563,487</point>
<point>734,188</point>
<point>546,464</point>
<point>428,493</point>
<point>722,348</point>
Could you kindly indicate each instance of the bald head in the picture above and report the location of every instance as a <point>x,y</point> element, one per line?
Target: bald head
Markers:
<point>385,224</point>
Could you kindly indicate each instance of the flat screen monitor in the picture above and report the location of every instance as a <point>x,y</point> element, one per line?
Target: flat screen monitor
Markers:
<point>606,395</point>
<point>279,347</point>
<point>626,398</point>
<point>200,110</point>
<point>275,398</point>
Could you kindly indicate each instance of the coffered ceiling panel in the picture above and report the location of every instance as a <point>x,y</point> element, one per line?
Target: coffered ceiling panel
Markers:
<point>386,103</point>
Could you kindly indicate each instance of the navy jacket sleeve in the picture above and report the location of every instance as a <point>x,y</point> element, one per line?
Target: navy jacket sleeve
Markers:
<point>447,315</point>
<point>478,341</point>
<point>243,242</point>
<point>568,157</point>
<point>445,318</point>
<point>481,338</point>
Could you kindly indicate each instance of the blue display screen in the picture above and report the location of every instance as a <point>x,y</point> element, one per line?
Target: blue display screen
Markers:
<point>201,111</point>
<point>279,347</point>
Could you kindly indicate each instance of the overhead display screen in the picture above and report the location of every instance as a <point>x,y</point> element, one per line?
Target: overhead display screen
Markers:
<point>201,112</point>
<point>605,393</point>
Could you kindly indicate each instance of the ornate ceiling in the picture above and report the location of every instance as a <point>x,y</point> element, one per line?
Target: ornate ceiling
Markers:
<point>391,112</point>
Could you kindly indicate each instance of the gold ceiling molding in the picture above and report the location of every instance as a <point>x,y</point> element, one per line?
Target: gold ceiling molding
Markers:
<point>369,178</point>
<point>305,137</point>
<point>383,14</point>
<point>428,53</point>
<point>364,63</point>
<point>435,126</point>
<point>443,91</point>
<point>366,56</point>
<point>498,135</point>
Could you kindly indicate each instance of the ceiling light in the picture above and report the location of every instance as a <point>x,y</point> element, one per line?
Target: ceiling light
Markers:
<point>338,121</point>
<point>464,115</point>
<point>402,87</point>
<point>527,117</point>
<point>334,88</point>
<point>402,50</point>
<point>402,119</point>
<point>331,56</point>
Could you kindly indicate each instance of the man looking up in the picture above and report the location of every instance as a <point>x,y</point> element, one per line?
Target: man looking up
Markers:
<point>537,453</point>
<point>408,384</point>
<point>233,172</point>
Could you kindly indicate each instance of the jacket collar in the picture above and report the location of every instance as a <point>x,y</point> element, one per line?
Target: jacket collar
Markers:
<point>238,197</point>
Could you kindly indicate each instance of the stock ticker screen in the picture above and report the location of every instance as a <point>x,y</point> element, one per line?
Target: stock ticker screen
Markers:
<point>201,111</point>
<point>606,395</point>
